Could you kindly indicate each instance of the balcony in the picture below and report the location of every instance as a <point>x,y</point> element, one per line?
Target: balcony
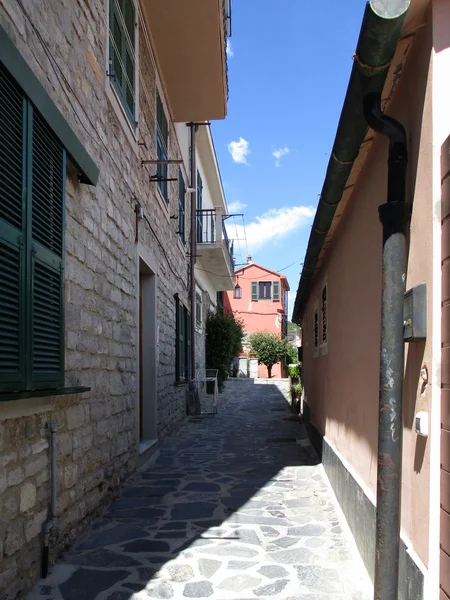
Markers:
<point>189,40</point>
<point>214,248</point>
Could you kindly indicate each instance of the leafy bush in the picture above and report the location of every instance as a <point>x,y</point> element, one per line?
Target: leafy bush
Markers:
<point>294,371</point>
<point>292,354</point>
<point>269,348</point>
<point>223,342</point>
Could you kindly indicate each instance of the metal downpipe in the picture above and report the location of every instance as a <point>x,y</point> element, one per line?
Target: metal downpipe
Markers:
<point>193,249</point>
<point>50,522</point>
<point>394,216</point>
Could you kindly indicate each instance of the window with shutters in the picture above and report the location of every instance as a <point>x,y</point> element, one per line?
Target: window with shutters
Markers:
<point>32,195</point>
<point>122,54</point>
<point>264,288</point>
<point>183,341</point>
<point>181,206</point>
<point>162,141</point>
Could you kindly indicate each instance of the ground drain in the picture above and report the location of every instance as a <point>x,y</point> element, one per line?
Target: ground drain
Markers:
<point>278,440</point>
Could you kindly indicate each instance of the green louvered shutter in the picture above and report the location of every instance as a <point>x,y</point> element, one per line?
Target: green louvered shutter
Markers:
<point>12,234</point>
<point>254,290</point>
<point>276,290</point>
<point>188,344</point>
<point>129,18</point>
<point>46,260</point>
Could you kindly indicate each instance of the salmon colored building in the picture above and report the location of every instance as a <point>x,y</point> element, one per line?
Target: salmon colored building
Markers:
<point>404,54</point>
<point>262,305</point>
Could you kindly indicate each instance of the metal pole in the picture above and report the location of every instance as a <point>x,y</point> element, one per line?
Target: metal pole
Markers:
<point>393,215</point>
<point>193,195</point>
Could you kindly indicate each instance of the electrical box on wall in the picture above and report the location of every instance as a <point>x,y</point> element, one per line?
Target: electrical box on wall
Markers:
<point>415,313</point>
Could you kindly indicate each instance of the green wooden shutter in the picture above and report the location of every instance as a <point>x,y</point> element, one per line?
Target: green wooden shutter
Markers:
<point>12,234</point>
<point>254,290</point>
<point>46,261</point>
<point>181,205</point>
<point>276,290</point>
<point>188,344</point>
<point>177,340</point>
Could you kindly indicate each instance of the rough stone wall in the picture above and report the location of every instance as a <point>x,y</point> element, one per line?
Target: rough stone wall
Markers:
<point>97,437</point>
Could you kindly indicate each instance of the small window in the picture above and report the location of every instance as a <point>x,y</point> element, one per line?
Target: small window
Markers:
<point>162,141</point>
<point>198,310</point>
<point>181,206</point>
<point>122,41</point>
<point>324,315</point>
<point>183,341</point>
<point>316,332</point>
<point>265,288</point>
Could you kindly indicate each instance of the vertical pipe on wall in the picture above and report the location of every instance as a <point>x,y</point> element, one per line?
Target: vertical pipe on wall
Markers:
<point>193,248</point>
<point>50,522</point>
<point>393,215</point>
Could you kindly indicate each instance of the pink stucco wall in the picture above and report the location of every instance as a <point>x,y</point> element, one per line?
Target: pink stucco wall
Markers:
<point>341,385</point>
<point>259,315</point>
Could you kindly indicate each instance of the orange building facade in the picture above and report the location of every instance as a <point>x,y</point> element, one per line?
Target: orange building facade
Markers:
<point>262,305</point>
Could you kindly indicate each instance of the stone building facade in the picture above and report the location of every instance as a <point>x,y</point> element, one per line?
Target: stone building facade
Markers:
<point>125,265</point>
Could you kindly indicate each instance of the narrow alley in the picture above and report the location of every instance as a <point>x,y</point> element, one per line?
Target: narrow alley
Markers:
<point>235,506</point>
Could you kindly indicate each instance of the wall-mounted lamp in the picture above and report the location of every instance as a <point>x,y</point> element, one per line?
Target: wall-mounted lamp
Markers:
<point>237,294</point>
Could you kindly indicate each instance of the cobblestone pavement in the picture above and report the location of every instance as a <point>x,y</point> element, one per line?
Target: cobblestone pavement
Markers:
<point>234,507</point>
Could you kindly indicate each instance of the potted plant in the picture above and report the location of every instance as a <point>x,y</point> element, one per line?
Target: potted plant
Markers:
<point>296,391</point>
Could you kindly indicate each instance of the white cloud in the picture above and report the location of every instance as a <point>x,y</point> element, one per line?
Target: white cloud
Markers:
<point>230,52</point>
<point>235,206</point>
<point>278,153</point>
<point>273,225</point>
<point>239,150</point>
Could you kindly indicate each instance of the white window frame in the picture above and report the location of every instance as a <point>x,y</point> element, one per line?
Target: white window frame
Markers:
<point>324,344</point>
<point>111,94</point>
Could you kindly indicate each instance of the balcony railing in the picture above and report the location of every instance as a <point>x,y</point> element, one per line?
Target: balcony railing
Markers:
<point>211,230</point>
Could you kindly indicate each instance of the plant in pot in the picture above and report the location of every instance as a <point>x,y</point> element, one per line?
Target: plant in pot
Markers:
<point>296,390</point>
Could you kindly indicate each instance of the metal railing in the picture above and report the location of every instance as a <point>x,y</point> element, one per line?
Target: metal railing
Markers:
<point>210,231</point>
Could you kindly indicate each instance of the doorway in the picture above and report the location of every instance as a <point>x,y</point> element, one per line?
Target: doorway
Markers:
<point>147,357</point>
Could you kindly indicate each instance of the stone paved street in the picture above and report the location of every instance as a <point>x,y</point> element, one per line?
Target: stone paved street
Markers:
<point>235,506</point>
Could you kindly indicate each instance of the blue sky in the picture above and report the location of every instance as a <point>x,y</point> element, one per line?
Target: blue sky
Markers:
<point>288,66</point>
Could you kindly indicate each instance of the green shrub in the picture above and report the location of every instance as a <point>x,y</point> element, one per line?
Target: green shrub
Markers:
<point>223,342</point>
<point>269,348</point>
<point>291,354</point>
<point>294,371</point>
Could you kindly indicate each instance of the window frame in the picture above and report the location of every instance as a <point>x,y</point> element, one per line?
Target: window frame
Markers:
<point>128,46</point>
<point>162,147</point>
<point>265,283</point>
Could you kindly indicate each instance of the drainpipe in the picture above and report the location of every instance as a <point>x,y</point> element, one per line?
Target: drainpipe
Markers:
<point>394,215</point>
<point>50,522</point>
<point>193,128</point>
